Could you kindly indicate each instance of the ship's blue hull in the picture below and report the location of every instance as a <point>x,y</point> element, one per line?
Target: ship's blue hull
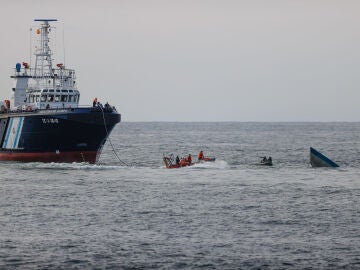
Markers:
<point>66,135</point>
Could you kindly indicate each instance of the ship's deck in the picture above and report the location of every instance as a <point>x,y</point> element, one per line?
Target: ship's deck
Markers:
<point>80,109</point>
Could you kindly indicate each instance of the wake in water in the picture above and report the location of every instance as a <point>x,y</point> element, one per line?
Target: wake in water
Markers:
<point>217,164</point>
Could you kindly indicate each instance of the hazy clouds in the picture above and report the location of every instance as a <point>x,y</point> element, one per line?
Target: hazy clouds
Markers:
<point>202,60</point>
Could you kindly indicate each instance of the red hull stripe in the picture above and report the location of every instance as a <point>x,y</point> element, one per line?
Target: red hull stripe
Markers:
<point>84,156</point>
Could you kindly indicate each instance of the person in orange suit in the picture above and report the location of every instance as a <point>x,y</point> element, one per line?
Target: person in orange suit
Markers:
<point>201,155</point>
<point>182,162</point>
<point>189,160</point>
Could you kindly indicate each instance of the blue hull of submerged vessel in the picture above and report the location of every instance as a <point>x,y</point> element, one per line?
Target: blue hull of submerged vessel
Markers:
<point>61,135</point>
<point>319,160</point>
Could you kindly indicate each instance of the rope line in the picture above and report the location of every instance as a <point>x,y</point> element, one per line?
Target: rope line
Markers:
<point>108,136</point>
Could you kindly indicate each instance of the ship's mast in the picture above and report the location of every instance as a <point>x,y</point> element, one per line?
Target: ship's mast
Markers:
<point>43,62</point>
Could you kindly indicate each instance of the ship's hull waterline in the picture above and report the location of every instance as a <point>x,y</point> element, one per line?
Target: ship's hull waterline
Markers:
<point>69,135</point>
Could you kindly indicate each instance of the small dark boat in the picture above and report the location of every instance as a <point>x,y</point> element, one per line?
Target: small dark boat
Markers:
<point>319,160</point>
<point>266,161</point>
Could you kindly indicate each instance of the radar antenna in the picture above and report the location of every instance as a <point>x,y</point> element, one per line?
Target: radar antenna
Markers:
<point>43,62</point>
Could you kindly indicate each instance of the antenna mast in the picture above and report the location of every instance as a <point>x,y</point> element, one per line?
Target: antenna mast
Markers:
<point>43,62</point>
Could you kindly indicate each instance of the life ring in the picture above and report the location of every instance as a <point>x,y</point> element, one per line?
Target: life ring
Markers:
<point>28,108</point>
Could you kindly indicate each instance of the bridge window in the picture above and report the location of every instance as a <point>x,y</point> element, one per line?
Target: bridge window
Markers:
<point>64,98</point>
<point>50,98</point>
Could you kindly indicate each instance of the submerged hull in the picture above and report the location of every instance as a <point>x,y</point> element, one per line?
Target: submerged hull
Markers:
<point>319,160</point>
<point>65,135</point>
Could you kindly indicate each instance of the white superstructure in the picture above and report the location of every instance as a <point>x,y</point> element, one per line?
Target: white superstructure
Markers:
<point>44,86</point>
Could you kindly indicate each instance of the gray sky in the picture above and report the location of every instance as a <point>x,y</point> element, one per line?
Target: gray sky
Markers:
<point>193,60</point>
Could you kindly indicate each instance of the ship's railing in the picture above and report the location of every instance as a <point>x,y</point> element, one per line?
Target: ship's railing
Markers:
<point>29,109</point>
<point>58,73</point>
<point>60,78</point>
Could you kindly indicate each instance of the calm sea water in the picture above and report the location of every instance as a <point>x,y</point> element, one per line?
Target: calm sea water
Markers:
<point>231,214</point>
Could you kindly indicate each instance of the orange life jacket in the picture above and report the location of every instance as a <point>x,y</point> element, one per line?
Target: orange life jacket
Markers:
<point>182,162</point>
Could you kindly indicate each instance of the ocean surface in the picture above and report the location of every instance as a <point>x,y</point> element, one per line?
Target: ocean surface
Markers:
<point>230,214</point>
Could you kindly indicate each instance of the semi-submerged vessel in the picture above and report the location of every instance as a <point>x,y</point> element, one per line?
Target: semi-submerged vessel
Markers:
<point>42,121</point>
<point>317,159</point>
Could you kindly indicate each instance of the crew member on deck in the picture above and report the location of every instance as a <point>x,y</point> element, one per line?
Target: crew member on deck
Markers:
<point>95,102</point>
<point>201,155</point>
<point>177,160</point>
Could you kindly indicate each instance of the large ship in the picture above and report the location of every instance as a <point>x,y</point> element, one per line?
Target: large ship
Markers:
<point>42,121</point>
